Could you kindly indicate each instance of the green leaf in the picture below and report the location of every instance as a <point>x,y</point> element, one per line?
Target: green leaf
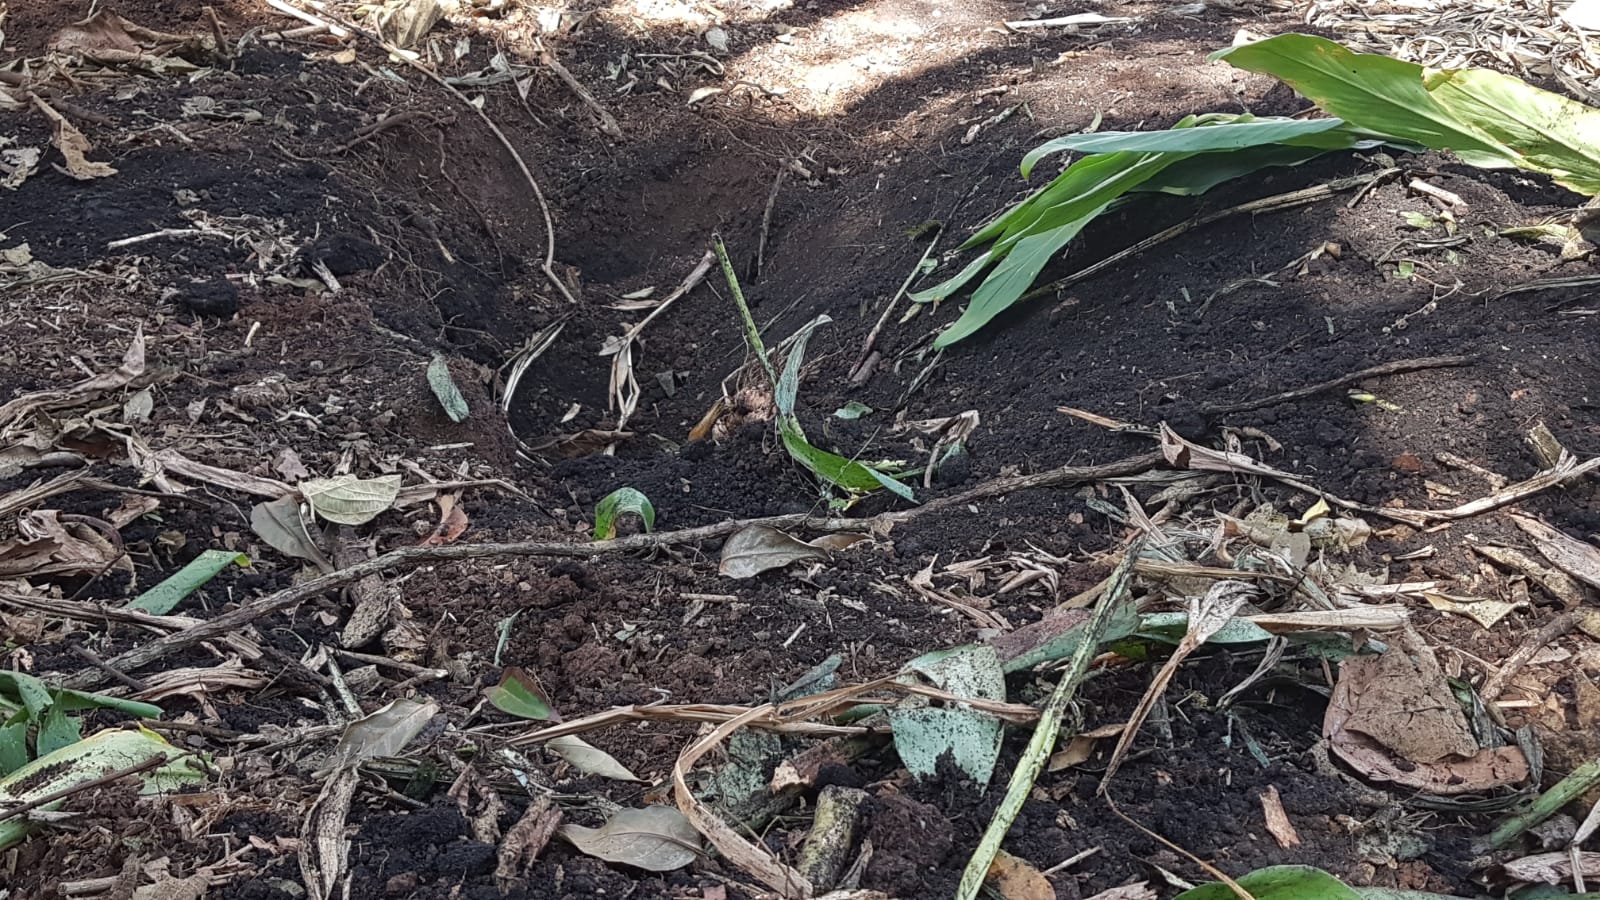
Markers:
<point>31,691</point>
<point>1548,132</point>
<point>1368,90</point>
<point>1245,131</point>
<point>788,387</point>
<point>1278,883</point>
<point>1170,627</point>
<point>855,409</point>
<point>13,744</point>
<point>88,759</point>
<point>1201,173</point>
<point>1010,280</point>
<point>518,694</point>
<point>57,730</point>
<point>854,477</point>
<point>444,387</point>
<point>71,700</point>
<point>617,503</point>
<point>161,599</point>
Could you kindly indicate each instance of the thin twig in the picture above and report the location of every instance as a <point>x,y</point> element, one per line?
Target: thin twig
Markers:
<point>20,809</point>
<point>1047,731</point>
<point>1395,367</point>
<point>766,221</point>
<point>407,557</point>
<point>1275,203</point>
<point>1495,684</point>
<point>93,659</point>
<point>872,336</point>
<point>608,122</point>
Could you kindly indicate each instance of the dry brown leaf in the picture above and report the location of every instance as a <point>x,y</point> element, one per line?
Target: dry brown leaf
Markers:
<point>132,367</point>
<point>452,523</point>
<point>1393,719</point>
<point>1076,753</point>
<point>45,545</point>
<point>524,842</point>
<point>583,443</point>
<point>1576,558</point>
<point>1278,824</point>
<point>73,145</point>
<point>1553,868</point>
<point>1016,879</point>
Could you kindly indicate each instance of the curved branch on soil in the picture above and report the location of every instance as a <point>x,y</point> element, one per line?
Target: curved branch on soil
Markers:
<point>407,557</point>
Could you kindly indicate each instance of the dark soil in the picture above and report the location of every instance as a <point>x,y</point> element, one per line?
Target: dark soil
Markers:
<point>438,244</point>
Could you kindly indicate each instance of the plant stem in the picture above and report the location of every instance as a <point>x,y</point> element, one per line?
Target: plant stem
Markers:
<point>1549,803</point>
<point>1044,733</point>
<point>751,332</point>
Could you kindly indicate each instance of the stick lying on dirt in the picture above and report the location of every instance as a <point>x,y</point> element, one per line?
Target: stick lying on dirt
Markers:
<point>1047,731</point>
<point>1396,367</point>
<point>407,557</point>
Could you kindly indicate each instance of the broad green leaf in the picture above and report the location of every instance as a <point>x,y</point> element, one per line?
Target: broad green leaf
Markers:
<point>91,758</point>
<point>162,598</point>
<point>348,500</point>
<point>13,744</point>
<point>617,503</point>
<point>655,838</point>
<point>1201,173</point>
<point>31,691</point>
<point>1370,91</point>
<point>1124,620</point>
<point>1278,883</point>
<point>444,387</point>
<point>1010,280</point>
<point>1244,132</point>
<point>855,409</point>
<point>517,694</point>
<point>854,477</point>
<point>955,282</point>
<point>1548,132</point>
<point>56,730</point>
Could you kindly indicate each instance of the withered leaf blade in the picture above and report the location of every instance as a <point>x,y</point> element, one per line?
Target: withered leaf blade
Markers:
<point>349,500</point>
<point>1393,719</point>
<point>589,759</point>
<point>759,548</point>
<point>278,523</point>
<point>655,838</point>
<point>384,732</point>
